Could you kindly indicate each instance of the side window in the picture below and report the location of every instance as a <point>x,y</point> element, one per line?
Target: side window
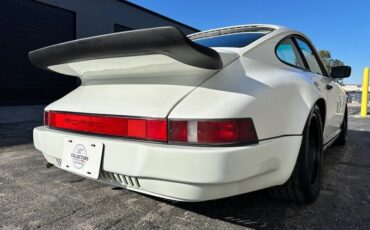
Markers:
<point>287,52</point>
<point>309,56</point>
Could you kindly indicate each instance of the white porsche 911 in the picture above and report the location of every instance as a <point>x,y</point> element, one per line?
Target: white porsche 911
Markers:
<point>215,114</point>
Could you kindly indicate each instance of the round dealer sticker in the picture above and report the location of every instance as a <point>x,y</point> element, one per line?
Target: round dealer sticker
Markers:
<point>79,156</point>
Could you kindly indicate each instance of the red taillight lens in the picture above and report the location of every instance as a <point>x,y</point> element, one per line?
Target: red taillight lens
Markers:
<point>145,129</point>
<point>201,132</point>
<point>156,130</point>
<point>46,118</point>
<point>178,131</point>
<point>219,132</point>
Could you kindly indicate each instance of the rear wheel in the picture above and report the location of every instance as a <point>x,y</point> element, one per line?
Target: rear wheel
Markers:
<point>342,139</point>
<point>304,184</point>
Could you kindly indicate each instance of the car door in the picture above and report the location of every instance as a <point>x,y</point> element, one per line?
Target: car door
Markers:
<point>335,103</point>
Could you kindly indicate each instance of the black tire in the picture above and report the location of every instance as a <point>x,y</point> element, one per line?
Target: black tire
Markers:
<point>304,184</point>
<point>342,138</point>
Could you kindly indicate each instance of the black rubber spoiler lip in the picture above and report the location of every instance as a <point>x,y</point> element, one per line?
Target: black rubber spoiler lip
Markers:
<point>168,41</point>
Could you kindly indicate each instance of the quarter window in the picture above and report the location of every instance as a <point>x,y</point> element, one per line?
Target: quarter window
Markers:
<point>287,52</point>
<point>310,57</point>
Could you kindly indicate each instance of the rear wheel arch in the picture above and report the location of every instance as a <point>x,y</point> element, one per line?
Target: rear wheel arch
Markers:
<point>304,183</point>
<point>322,106</point>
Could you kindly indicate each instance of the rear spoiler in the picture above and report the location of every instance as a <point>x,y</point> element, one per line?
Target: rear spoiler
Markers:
<point>167,41</point>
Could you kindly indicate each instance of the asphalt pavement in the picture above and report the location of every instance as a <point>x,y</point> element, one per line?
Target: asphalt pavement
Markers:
<point>33,196</point>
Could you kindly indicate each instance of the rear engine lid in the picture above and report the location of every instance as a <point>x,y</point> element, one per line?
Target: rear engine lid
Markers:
<point>141,73</point>
<point>150,94</point>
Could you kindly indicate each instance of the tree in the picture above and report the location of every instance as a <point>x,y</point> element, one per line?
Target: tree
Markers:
<point>329,62</point>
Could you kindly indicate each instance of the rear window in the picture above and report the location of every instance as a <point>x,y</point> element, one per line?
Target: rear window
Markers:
<point>230,40</point>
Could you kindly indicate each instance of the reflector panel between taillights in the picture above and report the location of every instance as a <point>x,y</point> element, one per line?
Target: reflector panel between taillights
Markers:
<point>137,128</point>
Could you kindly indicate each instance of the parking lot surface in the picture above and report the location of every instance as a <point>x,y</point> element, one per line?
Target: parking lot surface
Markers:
<point>33,196</point>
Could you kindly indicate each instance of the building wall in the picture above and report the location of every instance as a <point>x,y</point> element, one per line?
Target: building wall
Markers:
<point>99,16</point>
<point>354,93</point>
<point>353,88</point>
<point>27,25</point>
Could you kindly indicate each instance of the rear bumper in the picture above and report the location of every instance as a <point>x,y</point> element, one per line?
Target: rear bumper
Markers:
<point>185,173</point>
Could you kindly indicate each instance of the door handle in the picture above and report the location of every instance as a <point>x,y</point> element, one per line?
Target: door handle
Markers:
<point>329,87</point>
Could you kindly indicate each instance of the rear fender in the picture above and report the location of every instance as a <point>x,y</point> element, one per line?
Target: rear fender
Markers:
<point>277,100</point>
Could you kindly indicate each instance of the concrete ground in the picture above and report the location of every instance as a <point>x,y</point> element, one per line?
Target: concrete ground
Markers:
<point>32,196</point>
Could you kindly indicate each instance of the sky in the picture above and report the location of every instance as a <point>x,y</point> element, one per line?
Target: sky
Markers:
<point>340,26</point>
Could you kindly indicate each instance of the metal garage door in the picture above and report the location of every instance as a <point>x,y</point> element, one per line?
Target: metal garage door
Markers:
<point>27,25</point>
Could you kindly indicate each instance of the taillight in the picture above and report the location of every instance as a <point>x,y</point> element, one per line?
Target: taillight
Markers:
<point>46,118</point>
<point>192,132</point>
<point>212,132</point>
<point>137,128</point>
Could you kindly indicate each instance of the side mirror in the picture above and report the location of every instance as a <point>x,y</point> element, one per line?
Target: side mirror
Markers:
<point>340,71</point>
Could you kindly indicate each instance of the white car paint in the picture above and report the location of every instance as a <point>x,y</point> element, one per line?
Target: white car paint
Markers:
<point>152,89</point>
<point>185,173</point>
<point>253,83</point>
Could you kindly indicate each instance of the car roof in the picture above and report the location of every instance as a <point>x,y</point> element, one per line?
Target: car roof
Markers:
<point>263,28</point>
